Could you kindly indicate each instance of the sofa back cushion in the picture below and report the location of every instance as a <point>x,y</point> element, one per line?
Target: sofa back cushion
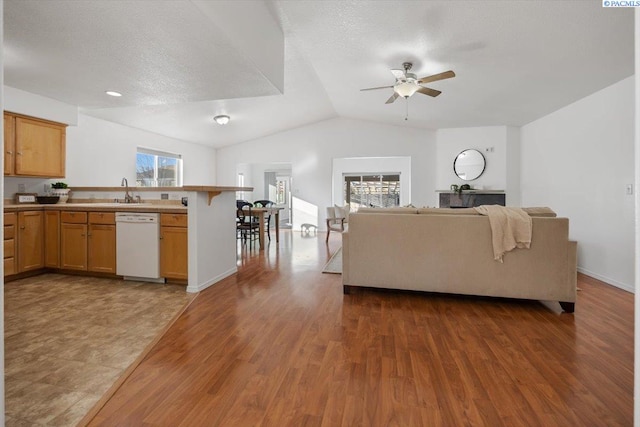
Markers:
<point>388,210</point>
<point>447,211</point>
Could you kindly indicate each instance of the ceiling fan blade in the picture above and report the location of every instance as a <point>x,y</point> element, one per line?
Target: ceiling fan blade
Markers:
<point>376,88</point>
<point>441,76</point>
<point>429,91</point>
<point>393,98</point>
<point>398,74</point>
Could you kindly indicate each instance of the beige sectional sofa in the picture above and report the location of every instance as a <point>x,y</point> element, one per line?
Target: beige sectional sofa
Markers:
<point>450,251</point>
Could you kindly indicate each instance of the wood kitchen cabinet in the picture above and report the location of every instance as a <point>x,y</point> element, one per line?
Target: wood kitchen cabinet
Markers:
<point>10,246</point>
<point>102,242</point>
<point>30,240</point>
<point>88,241</point>
<point>52,239</point>
<point>173,246</point>
<point>73,240</point>
<point>9,144</point>
<point>37,147</point>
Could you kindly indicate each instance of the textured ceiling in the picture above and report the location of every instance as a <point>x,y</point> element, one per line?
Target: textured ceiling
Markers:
<point>181,62</point>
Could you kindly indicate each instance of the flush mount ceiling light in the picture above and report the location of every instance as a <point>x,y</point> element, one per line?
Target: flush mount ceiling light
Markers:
<point>113,93</point>
<point>222,119</point>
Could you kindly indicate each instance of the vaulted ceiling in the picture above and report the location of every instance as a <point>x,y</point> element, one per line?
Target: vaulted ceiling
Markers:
<point>277,65</point>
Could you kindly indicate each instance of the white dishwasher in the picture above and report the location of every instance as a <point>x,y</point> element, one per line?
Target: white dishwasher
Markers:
<point>138,246</point>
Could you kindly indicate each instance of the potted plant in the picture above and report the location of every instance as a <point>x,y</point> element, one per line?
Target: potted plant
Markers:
<point>60,189</point>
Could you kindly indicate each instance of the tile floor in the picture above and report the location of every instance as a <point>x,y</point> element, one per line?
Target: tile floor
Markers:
<point>69,338</point>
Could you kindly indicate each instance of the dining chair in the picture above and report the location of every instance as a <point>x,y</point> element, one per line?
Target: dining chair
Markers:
<point>246,227</point>
<point>267,216</point>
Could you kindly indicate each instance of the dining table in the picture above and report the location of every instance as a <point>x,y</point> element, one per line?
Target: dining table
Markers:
<point>260,213</point>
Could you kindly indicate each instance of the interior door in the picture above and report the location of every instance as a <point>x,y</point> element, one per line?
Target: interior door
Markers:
<point>283,199</point>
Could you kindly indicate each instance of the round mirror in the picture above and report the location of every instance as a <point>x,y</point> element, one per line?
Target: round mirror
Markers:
<point>469,165</point>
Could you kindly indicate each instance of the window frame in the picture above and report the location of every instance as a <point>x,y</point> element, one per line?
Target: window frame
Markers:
<point>156,155</point>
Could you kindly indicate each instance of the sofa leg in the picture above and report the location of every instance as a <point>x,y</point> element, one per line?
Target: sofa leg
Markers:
<point>346,289</point>
<point>568,307</point>
<point>327,239</point>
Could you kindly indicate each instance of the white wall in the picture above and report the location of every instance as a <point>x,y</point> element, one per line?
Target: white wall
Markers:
<point>636,389</point>
<point>453,141</point>
<point>311,149</point>
<point>578,161</point>
<point>513,163</point>
<point>101,153</point>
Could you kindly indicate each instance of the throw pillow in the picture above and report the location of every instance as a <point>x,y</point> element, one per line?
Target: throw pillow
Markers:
<point>342,212</point>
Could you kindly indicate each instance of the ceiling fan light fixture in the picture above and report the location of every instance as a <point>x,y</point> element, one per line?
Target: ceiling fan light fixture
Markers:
<point>406,89</point>
<point>222,119</point>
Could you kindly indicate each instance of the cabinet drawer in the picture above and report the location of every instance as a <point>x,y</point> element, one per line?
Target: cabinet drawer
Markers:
<point>173,220</point>
<point>102,218</point>
<point>9,266</point>
<point>9,232</point>
<point>10,219</point>
<point>73,217</point>
<point>9,248</point>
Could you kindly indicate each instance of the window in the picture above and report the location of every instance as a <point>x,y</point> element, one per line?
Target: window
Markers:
<point>158,169</point>
<point>381,191</point>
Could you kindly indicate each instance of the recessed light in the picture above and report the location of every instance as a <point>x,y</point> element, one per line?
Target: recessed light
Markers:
<point>222,119</point>
<point>113,93</point>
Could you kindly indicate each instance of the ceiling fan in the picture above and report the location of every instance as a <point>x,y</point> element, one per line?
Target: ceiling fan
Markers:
<point>408,83</point>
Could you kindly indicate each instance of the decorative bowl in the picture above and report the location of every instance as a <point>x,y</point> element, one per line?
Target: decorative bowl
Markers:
<point>47,200</point>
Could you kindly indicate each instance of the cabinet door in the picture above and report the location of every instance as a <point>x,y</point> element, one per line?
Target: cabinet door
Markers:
<point>10,251</point>
<point>30,240</point>
<point>73,253</point>
<point>102,248</point>
<point>173,252</point>
<point>52,239</point>
<point>9,143</point>
<point>40,148</point>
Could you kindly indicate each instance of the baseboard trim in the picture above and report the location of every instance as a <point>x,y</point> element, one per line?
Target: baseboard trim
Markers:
<point>205,285</point>
<point>608,280</point>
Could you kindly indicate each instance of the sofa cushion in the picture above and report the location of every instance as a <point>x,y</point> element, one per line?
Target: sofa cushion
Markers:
<point>388,210</point>
<point>534,212</point>
<point>447,211</point>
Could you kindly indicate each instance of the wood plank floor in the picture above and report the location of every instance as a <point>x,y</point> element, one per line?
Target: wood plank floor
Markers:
<point>278,344</point>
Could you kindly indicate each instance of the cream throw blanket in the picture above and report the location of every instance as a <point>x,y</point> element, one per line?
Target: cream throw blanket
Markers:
<point>510,228</point>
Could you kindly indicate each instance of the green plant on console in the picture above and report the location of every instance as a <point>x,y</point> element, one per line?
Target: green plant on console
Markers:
<point>463,187</point>
<point>59,185</point>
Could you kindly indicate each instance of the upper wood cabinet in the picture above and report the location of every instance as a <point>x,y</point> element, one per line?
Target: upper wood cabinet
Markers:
<point>35,147</point>
<point>9,144</point>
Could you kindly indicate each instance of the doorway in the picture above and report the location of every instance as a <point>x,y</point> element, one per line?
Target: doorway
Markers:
<point>277,188</point>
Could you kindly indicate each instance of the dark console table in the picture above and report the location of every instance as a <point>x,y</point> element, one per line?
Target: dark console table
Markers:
<point>471,198</point>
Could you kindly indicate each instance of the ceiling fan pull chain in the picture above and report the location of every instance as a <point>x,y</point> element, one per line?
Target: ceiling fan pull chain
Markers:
<point>406,116</point>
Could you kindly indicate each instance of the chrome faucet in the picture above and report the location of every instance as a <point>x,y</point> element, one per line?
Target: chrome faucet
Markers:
<point>127,196</point>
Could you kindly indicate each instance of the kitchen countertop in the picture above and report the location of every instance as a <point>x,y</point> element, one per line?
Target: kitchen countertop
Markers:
<point>101,207</point>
